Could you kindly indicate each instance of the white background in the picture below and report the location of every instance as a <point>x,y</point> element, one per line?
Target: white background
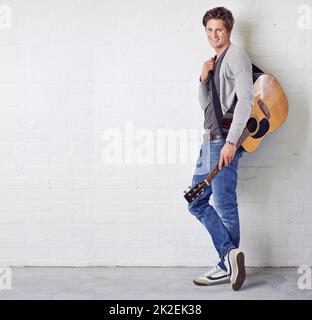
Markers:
<point>69,70</point>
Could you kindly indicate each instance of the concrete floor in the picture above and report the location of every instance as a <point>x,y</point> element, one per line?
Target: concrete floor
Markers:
<point>146,283</point>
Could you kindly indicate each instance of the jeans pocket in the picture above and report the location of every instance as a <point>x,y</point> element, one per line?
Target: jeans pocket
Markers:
<point>199,162</point>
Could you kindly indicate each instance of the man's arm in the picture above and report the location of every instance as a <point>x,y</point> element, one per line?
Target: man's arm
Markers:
<point>242,71</point>
<point>203,94</point>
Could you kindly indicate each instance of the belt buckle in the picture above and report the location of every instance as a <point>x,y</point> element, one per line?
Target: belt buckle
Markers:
<point>215,137</point>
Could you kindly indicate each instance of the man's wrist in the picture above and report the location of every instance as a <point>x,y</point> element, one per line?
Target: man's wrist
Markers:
<point>231,143</point>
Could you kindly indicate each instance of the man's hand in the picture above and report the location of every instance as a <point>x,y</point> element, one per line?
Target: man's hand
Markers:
<point>227,154</point>
<point>208,66</point>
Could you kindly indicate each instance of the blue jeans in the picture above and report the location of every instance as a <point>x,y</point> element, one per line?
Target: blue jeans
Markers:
<point>222,220</point>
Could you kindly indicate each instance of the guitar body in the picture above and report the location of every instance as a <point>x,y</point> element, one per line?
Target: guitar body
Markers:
<point>268,113</point>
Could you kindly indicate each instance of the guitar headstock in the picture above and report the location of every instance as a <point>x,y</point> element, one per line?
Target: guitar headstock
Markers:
<point>194,192</point>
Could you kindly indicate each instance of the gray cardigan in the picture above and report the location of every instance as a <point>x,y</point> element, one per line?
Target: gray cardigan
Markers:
<point>235,78</point>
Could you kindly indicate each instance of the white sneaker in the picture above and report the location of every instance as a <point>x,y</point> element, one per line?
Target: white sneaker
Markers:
<point>215,276</point>
<point>234,261</point>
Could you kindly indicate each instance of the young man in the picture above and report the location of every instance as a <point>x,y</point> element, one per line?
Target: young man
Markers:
<point>231,70</point>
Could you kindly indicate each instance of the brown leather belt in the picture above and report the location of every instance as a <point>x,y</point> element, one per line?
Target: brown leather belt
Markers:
<point>210,137</point>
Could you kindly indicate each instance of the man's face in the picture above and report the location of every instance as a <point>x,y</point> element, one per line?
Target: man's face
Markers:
<point>217,34</point>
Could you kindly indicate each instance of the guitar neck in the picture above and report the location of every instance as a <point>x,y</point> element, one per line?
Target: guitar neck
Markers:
<point>243,137</point>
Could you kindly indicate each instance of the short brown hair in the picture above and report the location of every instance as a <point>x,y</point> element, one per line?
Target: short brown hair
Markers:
<point>222,14</point>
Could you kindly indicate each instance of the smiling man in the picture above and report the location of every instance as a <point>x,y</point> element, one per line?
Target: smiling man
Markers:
<point>226,88</point>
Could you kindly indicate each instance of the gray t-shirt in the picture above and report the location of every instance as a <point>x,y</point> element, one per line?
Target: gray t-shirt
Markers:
<point>210,121</point>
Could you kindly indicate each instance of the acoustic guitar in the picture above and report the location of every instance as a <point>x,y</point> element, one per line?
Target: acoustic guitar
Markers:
<point>268,113</point>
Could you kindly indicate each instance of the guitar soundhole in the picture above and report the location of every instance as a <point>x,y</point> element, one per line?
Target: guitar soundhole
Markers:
<point>264,127</point>
<point>252,125</point>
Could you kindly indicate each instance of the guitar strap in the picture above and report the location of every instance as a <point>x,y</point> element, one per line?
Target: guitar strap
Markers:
<point>256,73</point>
<point>216,102</point>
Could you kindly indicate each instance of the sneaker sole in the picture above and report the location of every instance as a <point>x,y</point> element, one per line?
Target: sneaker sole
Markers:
<point>238,272</point>
<point>198,283</point>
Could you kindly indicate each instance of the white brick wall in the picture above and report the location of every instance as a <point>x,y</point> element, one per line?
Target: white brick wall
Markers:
<point>69,70</point>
